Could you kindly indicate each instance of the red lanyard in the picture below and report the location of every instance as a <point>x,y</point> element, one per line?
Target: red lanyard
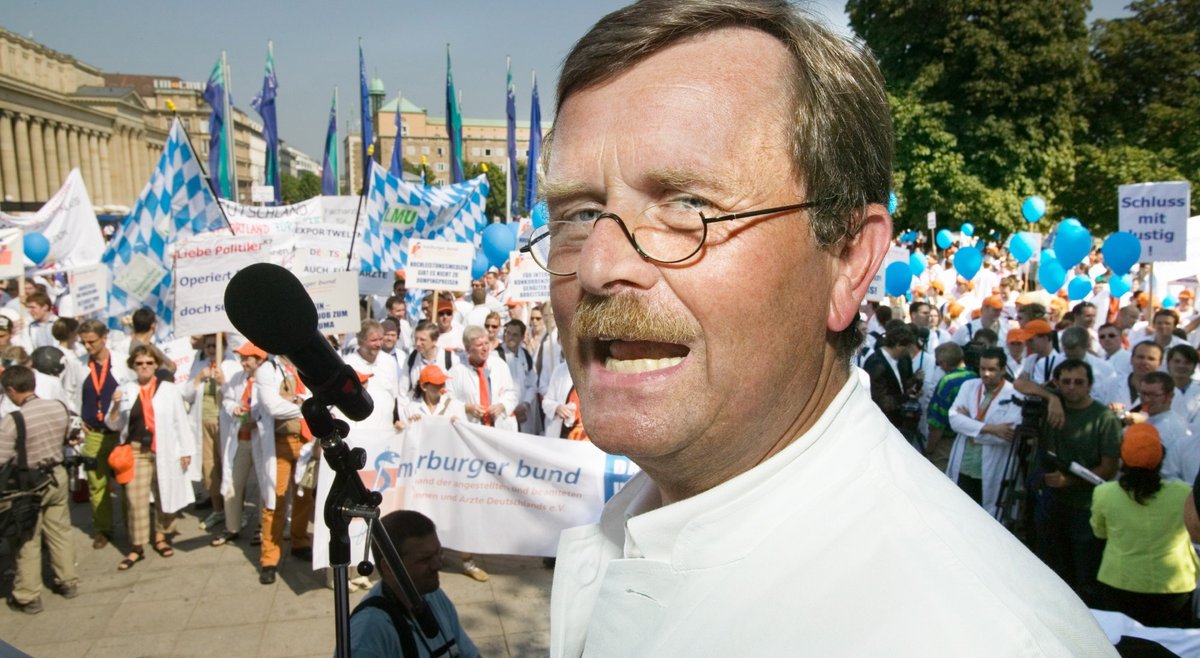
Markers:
<point>98,384</point>
<point>979,398</point>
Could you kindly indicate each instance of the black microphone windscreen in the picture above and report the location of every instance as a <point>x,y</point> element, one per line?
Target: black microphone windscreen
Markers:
<point>270,307</point>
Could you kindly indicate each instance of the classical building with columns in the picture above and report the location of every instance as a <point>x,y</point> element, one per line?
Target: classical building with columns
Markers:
<point>57,113</point>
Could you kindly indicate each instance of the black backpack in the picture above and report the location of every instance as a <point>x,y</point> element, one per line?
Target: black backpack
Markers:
<point>21,491</point>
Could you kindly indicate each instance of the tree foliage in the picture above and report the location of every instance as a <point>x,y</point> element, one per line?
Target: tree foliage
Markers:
<point>294,189</point>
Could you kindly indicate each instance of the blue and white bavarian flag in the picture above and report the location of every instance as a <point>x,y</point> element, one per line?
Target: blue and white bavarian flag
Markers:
<point>176,203</point>
<point>398,211</point>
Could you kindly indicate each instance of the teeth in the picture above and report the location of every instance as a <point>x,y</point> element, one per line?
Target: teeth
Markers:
<point>636,366</point>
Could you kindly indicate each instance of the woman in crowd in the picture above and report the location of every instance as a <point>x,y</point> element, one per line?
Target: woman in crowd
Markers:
<point>149,414</point>
<point>1149,566</point>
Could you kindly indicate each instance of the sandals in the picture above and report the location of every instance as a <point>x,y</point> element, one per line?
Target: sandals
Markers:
<point>127,563</point>
<point>163,548</point>
<point>224,538</point>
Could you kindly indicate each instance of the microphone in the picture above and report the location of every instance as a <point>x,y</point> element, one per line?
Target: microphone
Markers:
<point>269,306</point>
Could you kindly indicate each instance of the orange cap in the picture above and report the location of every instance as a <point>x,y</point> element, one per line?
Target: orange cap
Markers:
<point>954,309</point>
<point>120,460</point>
<point>994,302</point>
<point>937,285</point>
<point>1037,328</point>
<point>432,374</point>
<point>1017,335</point>
<point>250,349</point>
<point>1142,447</point>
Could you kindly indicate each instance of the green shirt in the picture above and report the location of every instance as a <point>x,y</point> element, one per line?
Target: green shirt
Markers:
<point>1148,550</point>
<point>1086,436</point>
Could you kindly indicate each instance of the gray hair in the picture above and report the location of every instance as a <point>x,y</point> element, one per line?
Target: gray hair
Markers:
<point>471,332</point>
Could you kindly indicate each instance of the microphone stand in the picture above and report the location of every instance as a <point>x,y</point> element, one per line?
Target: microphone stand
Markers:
<point>349,499</point>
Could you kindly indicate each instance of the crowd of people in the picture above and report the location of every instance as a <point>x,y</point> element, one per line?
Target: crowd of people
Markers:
<point>1075,423</point>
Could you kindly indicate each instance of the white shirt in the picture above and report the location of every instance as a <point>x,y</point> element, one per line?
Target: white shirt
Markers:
<point>381,386</point>
<point>1181,460</point>
<point>1041,368</point>
<point>1119,360</point>
<point>845,543</point>
<point>464,387</point>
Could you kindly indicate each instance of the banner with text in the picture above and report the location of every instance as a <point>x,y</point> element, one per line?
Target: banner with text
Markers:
<point>89,289</point>
<point>439,265</point>
<point>335,294</point>
<point>488,490</point>
<point>1157,213</point>
<point>69,222</point>
<point>204,264</point>
<point>527,282</point>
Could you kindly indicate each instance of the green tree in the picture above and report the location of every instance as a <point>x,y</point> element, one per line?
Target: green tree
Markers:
<point>985,101</point>
<point>293,189</point>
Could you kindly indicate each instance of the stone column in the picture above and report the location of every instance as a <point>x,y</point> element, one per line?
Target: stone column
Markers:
<point>64,153</point>
<point>73,146</point>
<point>85,157</point>
<point>8,158</point>
<point>24,157</point>
<point>37,160</point>
<point>118,168</point>
<point>130,168</point>
<point>140,174</point>
<point>94,146</point>
<point>54,176</point>
<point>105,191</point>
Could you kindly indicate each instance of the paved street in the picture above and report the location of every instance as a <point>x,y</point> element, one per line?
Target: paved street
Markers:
<point>207,601</point>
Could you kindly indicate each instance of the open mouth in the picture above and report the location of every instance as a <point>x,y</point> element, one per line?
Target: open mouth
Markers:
<point>629,357</point>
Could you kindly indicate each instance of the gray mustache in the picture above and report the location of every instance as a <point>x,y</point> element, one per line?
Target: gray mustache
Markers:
<point>628,317</point>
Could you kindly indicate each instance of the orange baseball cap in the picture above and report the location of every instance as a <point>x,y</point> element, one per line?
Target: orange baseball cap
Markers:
<point>120,460</point>
<point>432,374</point>
<point>250,349</point>
<point>1142,447</point>
<point>1037,328</point>
<point>1017,335</point>
<point>994,302</point>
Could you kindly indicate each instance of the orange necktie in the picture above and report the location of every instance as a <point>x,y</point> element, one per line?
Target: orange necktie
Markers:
<point>576,433</point>
<point>485,400</point>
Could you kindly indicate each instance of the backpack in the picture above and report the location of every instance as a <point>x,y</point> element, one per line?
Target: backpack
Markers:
<point>21,491</point>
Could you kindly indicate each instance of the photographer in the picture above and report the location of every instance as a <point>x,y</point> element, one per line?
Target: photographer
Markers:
<point>895,388</point>
<point>47,423</point>
<point>1090,435</point>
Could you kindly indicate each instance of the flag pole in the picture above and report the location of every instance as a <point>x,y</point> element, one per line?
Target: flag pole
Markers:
<point>336,141</point>
<point>205,176</point>
<point>358,214</point>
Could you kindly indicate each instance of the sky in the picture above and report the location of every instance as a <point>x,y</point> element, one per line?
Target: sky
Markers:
<point>316,47</point>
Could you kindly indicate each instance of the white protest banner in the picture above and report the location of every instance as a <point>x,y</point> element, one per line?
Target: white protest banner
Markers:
<point>376,283</point>
<point>488,490</point>
<point>262,193</point>
<point>527,282</point>
<point>875,291</point>
<point>204,264</point>
<point>182,354</point>
<point>335,294</point>
<point>12,253</point>
<point>261,220</point>
<point>322,247</point>
<point>89,289</point>
<point>439,265</point>
<point>1157,213</point>
<point>68,222</point>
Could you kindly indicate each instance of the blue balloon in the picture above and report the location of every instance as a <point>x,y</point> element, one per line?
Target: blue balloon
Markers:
<point>498,243</point>
<point>967,261</point>
<point>1051,274</point>
<point>1078,288</point>
<point>1169,302</point>
<point>1119,285</point>
<point>1033,208</point>
<point>515,227</point>
<point>968,229</point>
<point>1073,221</point>
<point>1020,248</point>
<point>37,247</point>
<point>540,215</point>
<point>1121,251</point>
<point>1072,243</point>
<point>944,239</point>
<point>916,263</point>
<point>892,202</point>
<point>479,266</point>
<point>897,278</point>
<point>1048,254</point>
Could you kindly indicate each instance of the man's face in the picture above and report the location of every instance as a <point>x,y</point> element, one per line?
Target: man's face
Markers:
<point>478,293</point>
<point>423,341</point>
<point>422,558</point>
<point>512,338</point>
<point>5,338</point>
<point>93,344</point>
<point>445,319</point>
<point>1127,317</point>
<point>920,317</point>
<point>370,345</point>
<point>1179,367</point>
<point>989,315</point>
<point>1074,386</point>
<point>1024,316</point>
<point>990,372</point>
<point>389,340</point>
<point>1164,326</point>
<point>667,386</point>
<point>1016,349</point>
<point>1110,339</point>
<point>478,352</point>
<point>490,279</point>
<point>1146,359</point>
<point>1041,344</point>
<point>1155,400</point>
<point>397,311</point>
<point>38,312</point>
<point>1085,317</point>
<point>250,363</point>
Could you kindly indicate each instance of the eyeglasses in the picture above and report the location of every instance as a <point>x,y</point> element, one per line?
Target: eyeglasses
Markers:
<point>441,313</point>
<point>492,326</point>
<point>665,233</point>
<point>1110,335</point>
<point>145,363</point>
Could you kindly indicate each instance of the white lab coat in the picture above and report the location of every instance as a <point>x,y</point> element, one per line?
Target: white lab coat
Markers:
<point>556,394</point>
<point>262,437</point>
<point>173,438</point>
<point>996,451</point>
<point>192,397</point>
<point>463,386</point>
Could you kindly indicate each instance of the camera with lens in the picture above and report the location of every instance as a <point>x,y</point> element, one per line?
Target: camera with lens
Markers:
<point>1033,413</point>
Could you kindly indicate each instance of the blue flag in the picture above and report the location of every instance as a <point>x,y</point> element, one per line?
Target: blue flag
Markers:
<point>397,167</point>
<point>535,148</point>
<point>510,110</point>
<point>329,166</point>
<point>453,125</point>
<point>365,111</point>
<point>264,104</point>
<point>218,145</point>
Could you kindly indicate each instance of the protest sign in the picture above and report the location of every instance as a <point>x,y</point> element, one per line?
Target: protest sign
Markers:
<point>875,291</point>
<point>335,294</point>
<point>488,490</point>
<point>439,265</point>
<point>262,193</point>
<point>89,289</point>
<point>1157,213</point>
<point>68,222</point>
<point>182,354</point>
<point>203,267</point>
<point>261,220</point>
<point>527,282</point>
<point>12,253</point>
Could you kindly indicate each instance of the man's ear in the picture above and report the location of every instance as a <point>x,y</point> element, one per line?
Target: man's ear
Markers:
<point>856,261</point>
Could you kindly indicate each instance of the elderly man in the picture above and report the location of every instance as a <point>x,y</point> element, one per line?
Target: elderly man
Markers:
<point>706,156</point>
